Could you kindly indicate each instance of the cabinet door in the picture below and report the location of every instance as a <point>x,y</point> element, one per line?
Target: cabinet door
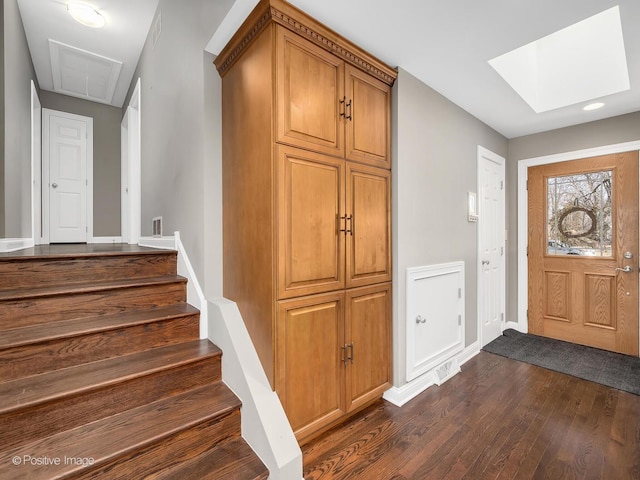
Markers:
<point>369,238</point>
<point>311,248</point>
<point>368,323</point>
<point>368,119</point>
<point>310,370</point>
<point>309,93</point>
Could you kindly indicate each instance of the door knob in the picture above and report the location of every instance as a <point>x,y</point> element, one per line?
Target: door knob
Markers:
<point>626,269</point>
<point>54,185</point>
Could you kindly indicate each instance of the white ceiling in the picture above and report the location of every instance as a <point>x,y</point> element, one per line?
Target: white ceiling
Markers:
<point>121,39</point>
<point>446,44</point>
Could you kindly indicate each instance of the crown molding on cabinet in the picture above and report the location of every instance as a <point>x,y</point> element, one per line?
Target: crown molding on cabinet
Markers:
<point>285,14</point>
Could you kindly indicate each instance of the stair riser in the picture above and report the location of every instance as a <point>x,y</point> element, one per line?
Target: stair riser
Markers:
<point>21,426</point>
<point>28,273</point>
<point>232,458</point>
<point>52,355</point>
<point>43,310</point>
<point>148,462</point>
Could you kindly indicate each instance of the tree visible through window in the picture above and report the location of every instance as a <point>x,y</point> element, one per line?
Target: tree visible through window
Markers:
<point>579,214</point>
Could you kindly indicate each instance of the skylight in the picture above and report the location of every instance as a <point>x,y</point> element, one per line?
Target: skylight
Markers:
<point>576,64</point>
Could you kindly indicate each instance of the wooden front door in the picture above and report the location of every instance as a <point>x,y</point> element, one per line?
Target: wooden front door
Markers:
<point>583,251</point>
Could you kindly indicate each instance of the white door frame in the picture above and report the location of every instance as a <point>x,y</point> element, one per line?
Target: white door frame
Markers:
<point>523,220</point>
<point>483,155</point>
<point>36,166</point>
<point>46,120</point>
<point>131,158</point>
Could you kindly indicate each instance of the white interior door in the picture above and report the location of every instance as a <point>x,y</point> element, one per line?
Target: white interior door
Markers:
<point>66,161</point>
<point>491,240</point>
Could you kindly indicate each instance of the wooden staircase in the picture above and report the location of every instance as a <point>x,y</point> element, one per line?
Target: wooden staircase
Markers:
<point>103,375</point>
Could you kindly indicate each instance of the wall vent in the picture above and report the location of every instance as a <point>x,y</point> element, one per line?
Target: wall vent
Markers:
<point>447,370</point>
<point>156,226</point>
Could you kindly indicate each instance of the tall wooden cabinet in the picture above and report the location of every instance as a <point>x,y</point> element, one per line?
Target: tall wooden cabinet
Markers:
<point>307,210</point>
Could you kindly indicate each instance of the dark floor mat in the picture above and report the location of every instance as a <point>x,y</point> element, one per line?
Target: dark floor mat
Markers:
<point>600,366</point>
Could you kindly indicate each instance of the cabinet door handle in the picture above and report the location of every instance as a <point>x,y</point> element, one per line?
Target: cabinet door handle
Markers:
<point>345,218</point>
<point>349,105</point>
<point>342,107</point>
<point>344,354</point>
<point>352,356</point>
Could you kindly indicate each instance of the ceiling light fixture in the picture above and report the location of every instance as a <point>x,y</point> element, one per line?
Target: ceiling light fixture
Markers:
<point>86,15</point>
<point>593,106</point>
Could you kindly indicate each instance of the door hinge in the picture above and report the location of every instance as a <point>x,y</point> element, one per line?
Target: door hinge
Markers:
<point>527,314</point>
<point>459,292</point>
<point>501,185</point>
<point>501,251</point>
<point>86,228</point>
<point>502,317</point>
<point>460,320</point>
<point>527,185</point>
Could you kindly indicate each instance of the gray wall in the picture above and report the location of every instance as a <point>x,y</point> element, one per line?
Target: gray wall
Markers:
<point>621,129</point>
<point>176,103</point>
<point>435,165</point>
<point>19,72</point>
<point>213,180</point>
<point>106,157</point>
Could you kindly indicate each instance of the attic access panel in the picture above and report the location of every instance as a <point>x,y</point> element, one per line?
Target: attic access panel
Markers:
<point>83,74</point>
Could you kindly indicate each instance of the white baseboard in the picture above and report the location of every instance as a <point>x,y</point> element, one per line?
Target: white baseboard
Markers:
<point>515,326</point>
<point>105,240</point>
<point>468,353</point>
<point>158,242</point>
<point>401,395</point>
<point>195,294</point>
<point>14,244</point>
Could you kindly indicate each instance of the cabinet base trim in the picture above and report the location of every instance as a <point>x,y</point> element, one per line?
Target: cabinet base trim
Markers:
<point>401,395</point>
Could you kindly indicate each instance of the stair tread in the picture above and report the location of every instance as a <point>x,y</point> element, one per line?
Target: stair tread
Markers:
<point>81,326</point>
<point>29,391</point>
<point>232,458</point>
<point>67,251</point>
<point>126,379</point>
<point>106,439</point>
<point>85,287</point>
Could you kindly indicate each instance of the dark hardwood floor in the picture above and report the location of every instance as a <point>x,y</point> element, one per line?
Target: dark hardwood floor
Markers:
<point>498,418</point>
